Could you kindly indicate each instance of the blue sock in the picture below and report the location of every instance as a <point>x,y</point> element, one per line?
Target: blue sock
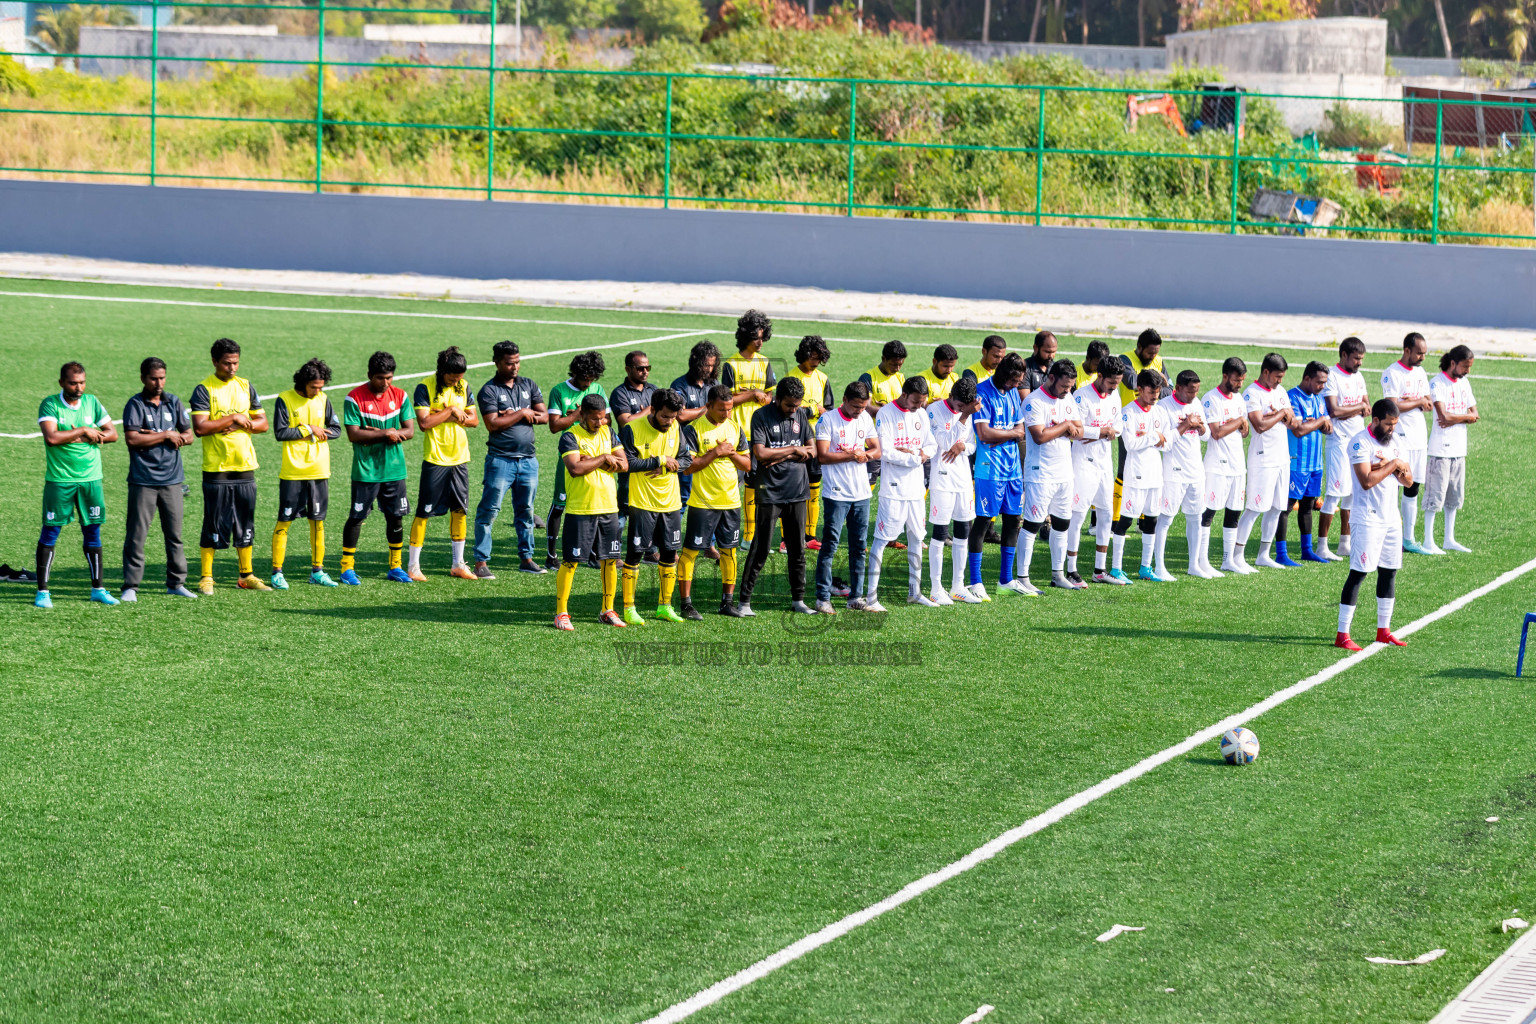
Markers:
<point>1006,572</point>
<point>1280,549</point>
<point>973,565</point>
<point>1306,544</point>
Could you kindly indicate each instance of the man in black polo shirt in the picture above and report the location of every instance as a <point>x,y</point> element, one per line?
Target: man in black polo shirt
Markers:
<point>156,427</point>
<point>630,401</point>
<point>1037,365</point>
<point>782,447</point>
<point>510,406</point>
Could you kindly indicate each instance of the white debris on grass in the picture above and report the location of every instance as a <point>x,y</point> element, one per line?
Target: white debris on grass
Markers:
<point>1118,929</point>
<point>1434,954</point>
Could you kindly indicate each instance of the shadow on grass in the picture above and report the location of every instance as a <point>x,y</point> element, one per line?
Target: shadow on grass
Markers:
<point>1206,760</point>
<point>486,610</point>
<point>1133,633</point>
<point>1471,673</point>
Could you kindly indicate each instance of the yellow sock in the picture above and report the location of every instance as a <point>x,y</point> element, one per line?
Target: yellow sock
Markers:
<point>207,561</point>
<point>813,511</point>
<point>610,582</point>
<point>631,577</point>
<point>564,577</point>
<point>316,544</point>
<point>279,546</point>
<point>685,563</point>
<point>246,556</point>
<point>748,514</point>
<point>727,567</point>
<point>394,556</point>
<point>456,528</point>
<point>668,578</point>
<point>348,558</point>
<point>418,532</point>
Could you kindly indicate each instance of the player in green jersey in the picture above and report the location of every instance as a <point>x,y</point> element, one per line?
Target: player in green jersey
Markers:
<point>564,410</point>
<point>75,426</point>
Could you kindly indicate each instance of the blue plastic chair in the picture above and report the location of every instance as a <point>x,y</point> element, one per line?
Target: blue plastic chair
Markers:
<point>1525,630</point>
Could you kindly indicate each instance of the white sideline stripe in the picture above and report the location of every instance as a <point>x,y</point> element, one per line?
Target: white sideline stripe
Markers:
<point>24,436</point>
<point>1039,822</point>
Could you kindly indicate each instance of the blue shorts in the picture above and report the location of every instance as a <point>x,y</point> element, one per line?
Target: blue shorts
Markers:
<point>1306,485</point>
<point>999,497</point>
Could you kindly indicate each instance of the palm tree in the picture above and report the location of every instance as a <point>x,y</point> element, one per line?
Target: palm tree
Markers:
<point>59,28</point>
<point>1518,16</point>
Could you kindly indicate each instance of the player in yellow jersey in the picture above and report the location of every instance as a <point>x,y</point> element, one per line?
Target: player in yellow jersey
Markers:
<point>445,412</point>
<point>593,459</point>
<point>993,348</point>
<point>226,412</point>
<point>809,357</point>
<point>1088,369</point>
<point>656,453</point>
<point>305,424</point>
<point>714,502</point>
<point>751,380</point>
<point>941,375</point>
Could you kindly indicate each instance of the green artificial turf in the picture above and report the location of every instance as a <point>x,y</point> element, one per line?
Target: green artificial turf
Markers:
<point>422,803</point>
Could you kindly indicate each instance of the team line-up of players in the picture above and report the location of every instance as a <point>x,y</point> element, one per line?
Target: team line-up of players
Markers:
<point>711,464</point>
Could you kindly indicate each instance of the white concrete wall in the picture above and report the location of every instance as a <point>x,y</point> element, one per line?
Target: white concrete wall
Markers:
<point>1322,46</point>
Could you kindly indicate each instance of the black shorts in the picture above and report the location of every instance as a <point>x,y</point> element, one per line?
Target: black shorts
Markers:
<point>581,536</point>
<point>393,497</point>
<point>443,489</point>
<point>302,499</point>
<point>651,530</point>
<point>229,510</point>
<point>718,526</point>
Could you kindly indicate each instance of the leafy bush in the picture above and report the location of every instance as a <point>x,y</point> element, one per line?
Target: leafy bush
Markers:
<point>1352,128</point>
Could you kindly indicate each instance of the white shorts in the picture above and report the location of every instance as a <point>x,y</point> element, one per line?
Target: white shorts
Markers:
<point>1374,544</point>
<point>1418,462</point>
<point>1093,491</point>
<point>1046,498</point>
<point>897,515</point>
<point>1224,491</point>
<point>1269,488</point>
<point>950,506</point>
<point>1185,497</point>
<point>1136,502</point>
<point>1341,477</point>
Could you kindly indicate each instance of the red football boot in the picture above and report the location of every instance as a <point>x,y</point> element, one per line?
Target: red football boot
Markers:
<point>1384,636</point>
<point>1343,640</point>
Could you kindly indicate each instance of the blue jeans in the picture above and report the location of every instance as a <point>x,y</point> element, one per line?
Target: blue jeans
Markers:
<point>502,473</point>
<point>856,515</point>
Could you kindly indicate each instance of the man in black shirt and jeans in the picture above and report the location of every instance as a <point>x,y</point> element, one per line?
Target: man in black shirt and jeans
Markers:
<point>1037,365</point>
<point>156,427</point>
<point>782,448</point>
<point>510,406</point>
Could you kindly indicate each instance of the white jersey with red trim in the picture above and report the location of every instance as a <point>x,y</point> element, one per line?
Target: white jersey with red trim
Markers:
<point>1147,434</point>
<point>949,429</point>
<point>1094,453</point>
<point>1181,462</point>
<point>1399,381</point>
<point>1272,447</point>
<point>1346,389</point>
<point>1379,503</point>
<point>1224,455</point>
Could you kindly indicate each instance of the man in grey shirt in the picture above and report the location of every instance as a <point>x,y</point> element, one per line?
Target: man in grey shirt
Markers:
<point>156,427</point>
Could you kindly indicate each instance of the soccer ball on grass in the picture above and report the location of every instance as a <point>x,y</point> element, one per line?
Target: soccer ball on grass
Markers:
<point>1239,746</point>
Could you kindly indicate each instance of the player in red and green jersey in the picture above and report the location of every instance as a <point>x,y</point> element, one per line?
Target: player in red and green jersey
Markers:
<point>75,426</point>
<point>379,420</point>
<point>564,411</point>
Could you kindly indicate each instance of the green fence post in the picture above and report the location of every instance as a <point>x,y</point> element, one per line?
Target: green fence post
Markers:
<point>490,123</point>
<point>853,130</point>
<point>1434,222</point>
<point>1039,150</point>
<point>1237,140</point>
<point>154,80</point>
<point>666,169</point>
<point>320,100</point>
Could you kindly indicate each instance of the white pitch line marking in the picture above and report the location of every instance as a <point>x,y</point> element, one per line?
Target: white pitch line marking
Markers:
<point>1119,929</point>
<point>981,1011</point>
<point>837,929</point>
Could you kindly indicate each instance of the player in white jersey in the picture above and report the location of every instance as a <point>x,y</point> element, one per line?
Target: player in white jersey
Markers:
<point>1183,473</point>
<point>1146,433</point>
<point>906,443</point>
<point>1379,469</point>
<point>1226,472</point>
<point>1349,404</point>
<point>1406,384</point>
<point>951,491</point>
<point>1269,462</point>
<point>1093,468</point>
<point>1445,476</point>
<point>1050,427</point>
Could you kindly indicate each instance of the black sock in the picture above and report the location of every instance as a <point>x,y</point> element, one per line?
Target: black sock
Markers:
<point>351,533</point>
<point>93,562</point>
<point>44,565</point>
<point>552,527</point>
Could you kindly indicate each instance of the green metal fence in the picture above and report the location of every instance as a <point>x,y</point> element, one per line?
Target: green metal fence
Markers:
<point>1026,153</point>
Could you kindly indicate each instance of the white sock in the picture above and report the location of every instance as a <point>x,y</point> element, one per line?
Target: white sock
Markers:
<point>1346,616</point>
<point>415,559</point>
<point>914,559</point>
<point>1244,530</point>
<point>1160,544</point>
<point>1450,526</point>
<point>1384,612</point>
<point>1193,531</point>
<point>1117,548</point>
<point>1269,526</point>
<point>458,551</point>
<point>872,587</point>
<point>1099,557</point>
<point>1344,545</point>
<point>1429,526</point>
<point>959,554</point>
<point>1025,555</point>
<point>1075,539</point>
<point>1205,547</point>
<point>936,563</point>
<point>1228,542</point>
<point>1147,550</point>
<point>1058,544</point>
<point>1410,508</point>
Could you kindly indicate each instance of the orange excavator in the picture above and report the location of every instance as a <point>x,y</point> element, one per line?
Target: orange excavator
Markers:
<point>1150,105</point>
